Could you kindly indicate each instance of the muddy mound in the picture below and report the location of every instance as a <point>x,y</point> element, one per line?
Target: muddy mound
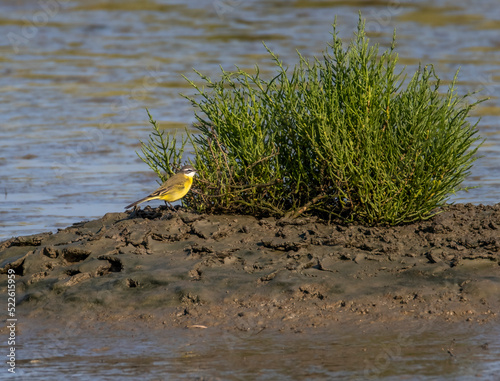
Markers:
<point>181,268</point>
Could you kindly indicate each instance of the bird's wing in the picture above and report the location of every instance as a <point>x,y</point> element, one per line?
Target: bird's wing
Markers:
<point>166,187</point>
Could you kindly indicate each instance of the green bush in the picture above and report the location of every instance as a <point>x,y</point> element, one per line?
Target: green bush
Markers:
<point>345,136</point>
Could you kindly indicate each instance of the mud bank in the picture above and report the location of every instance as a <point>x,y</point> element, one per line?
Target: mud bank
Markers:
<point>181,269</point>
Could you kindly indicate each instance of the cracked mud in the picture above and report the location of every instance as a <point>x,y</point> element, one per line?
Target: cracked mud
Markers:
<point>182,269</point>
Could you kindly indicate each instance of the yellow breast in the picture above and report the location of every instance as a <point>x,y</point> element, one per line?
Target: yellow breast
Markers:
<point>178,189</point>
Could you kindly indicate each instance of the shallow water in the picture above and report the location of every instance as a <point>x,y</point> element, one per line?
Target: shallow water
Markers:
<point>76,77</point>
<point>447,352</point>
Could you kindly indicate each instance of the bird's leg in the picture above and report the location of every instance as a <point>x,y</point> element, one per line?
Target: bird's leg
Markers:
<point>133,209</point>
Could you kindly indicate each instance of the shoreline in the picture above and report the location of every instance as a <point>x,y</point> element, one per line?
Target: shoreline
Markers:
<point>181,269</point>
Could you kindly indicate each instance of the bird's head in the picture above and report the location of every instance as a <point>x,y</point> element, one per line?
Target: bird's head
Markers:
<point>188,170</point>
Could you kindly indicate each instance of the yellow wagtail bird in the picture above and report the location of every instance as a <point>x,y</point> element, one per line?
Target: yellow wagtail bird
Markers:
<point>175,188</point>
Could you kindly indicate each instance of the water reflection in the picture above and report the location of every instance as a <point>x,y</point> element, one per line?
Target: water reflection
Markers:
<point>426,351</point>
<point>76,78</point>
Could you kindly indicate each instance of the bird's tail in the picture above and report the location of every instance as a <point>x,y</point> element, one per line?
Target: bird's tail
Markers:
<point>139,202</point>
